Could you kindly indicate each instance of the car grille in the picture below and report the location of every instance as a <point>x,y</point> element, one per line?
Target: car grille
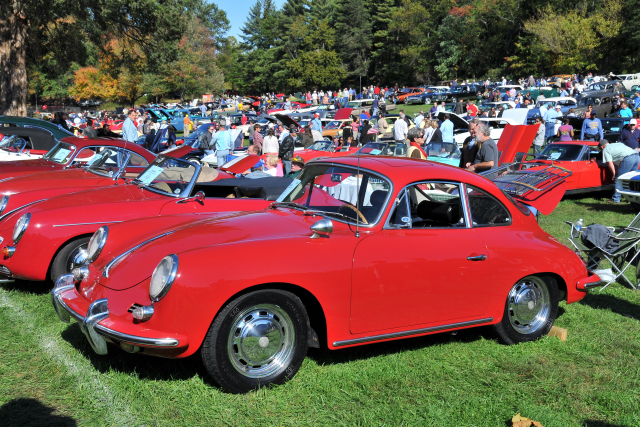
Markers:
<point>631,185</point>
<point>4,271</point>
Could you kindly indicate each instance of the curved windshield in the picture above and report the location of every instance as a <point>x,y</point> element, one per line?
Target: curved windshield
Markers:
<point>333,125</point>
<point>13,143</point>
<point>105,161</point>
<point>391,148</point>
<point>557,151</point>
<point>340,192</point>
<point>321,146</point>
<point>167,175</point>
<point>444,150</point>
<point>61,153</point>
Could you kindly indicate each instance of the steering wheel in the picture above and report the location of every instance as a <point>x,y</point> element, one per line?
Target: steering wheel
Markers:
<point>364,220</point>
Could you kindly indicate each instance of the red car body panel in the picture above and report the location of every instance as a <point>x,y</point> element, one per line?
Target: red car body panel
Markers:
<point>381,270</point>
<point>343,114</point>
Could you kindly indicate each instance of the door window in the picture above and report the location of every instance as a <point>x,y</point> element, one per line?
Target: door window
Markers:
<point>428,205</point>
<point>486,210</point>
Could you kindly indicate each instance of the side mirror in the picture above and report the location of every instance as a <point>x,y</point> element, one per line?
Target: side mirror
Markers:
<point>322,228</point>
<point>199,197</point>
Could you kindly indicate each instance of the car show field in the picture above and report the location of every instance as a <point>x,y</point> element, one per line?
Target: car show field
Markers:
<point>51,370</point>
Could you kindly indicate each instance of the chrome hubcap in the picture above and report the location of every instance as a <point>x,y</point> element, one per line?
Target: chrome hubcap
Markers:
<point>528,305</point>
<point>261,341</point>
<point>77,257</point>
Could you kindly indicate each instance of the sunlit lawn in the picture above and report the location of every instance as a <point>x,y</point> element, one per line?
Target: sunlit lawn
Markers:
<point>50,374</point>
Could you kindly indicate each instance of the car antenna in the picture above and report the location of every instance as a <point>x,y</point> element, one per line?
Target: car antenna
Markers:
<point>358,197</point>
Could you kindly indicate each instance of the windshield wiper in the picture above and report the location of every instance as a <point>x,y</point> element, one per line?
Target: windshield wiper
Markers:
<point>289,205</point>
<point>338,214</point>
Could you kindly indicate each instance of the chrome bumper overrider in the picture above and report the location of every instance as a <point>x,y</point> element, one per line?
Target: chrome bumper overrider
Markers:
<point>89,323</point>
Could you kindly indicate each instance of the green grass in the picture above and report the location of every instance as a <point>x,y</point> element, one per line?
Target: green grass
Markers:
<point>50,374</point>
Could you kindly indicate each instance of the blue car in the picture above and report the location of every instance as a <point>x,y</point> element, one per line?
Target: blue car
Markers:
<point>443,152</point>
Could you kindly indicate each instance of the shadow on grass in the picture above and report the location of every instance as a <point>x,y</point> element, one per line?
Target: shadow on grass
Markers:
<point>620,208</point>
<point>617,305</point>
<point>30,412</point>
<point>137,364</point>
<point>594,423</point>
<point>324,356</point>
<point>28,287</point>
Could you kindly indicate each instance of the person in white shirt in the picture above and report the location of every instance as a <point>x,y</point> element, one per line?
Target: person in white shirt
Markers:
<point>270,144</point>
<point>400,129</point>
<point>440,108</point>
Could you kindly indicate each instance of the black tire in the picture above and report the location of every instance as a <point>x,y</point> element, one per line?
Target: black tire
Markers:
<point>530,310</point>
<point>282,315</point>
<point>63,261</point>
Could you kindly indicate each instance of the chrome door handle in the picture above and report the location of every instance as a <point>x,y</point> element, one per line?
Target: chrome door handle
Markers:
<point>477,258</point>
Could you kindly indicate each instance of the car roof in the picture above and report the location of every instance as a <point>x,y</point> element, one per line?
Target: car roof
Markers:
<point>599,95</point>
<point>558,98</point>
<point>109,142</point>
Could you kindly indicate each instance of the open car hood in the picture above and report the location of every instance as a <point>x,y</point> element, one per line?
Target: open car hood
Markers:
<point>539,186</point>
<point>286,120</point>
<point>515,142</point>
<point>458,122</point>
<point>518,115</point>
<point>240,164</point>
<point>343,114</point>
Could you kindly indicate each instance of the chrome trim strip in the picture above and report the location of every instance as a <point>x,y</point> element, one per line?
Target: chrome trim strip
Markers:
<point>23,206</point>
<point>136,340</point>
<point>411,332</point>
<point>86,223</point>
<point>117,259</point>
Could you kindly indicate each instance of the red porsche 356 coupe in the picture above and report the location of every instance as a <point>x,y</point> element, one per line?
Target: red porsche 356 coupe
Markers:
<point>415,248</point>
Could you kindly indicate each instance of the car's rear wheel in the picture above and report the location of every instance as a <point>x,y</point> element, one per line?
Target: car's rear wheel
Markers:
<point>258,339</point>
<point>406,101</point>
<point>530,310</point>
<point>72,255</point>
<point>427,100</point>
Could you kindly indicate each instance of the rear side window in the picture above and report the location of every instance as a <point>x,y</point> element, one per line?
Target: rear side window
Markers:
<point>486,210</point>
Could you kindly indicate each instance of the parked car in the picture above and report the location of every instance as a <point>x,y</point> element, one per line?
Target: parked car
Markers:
<point>611,127</point>
<point>402,94</point>
<point>56,130</point>
<point>426,97</point>
<point>630,183</point>
<point>443,152</point>
<point>39,248</point>
<point>566,103</point>
<point>598,88</point>
<point>459,92</point>
<point>252,326</point>
<point>602,104</point>
<point>22,143</point>
<point>584,159</point>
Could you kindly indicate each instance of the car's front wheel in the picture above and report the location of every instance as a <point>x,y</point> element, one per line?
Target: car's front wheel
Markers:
<point>427,101</point>
<point>258,339</point>
<point>70,256</point>
<point>530,310</point>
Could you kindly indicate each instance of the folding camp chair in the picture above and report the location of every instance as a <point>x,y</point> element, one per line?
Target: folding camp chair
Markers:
<point>627,253</point>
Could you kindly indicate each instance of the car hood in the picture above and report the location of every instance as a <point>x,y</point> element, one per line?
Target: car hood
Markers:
<point>458,122</point>
<point>52,179</point>
<point>20,167</point>
<point>343,114</point>
<point>519,115</point>
<point>286,120</point>
<point>515,139</point>
<point>221,232</point>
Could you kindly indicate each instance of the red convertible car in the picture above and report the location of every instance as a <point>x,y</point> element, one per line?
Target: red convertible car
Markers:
<point>49,238</point>
<point>415,248</point>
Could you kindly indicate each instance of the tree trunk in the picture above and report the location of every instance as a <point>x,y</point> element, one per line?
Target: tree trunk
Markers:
<point>13,69</point>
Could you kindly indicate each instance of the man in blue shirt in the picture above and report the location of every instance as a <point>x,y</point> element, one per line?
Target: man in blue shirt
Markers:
<point>418,119</point>
<point>129,128</point>
<point>630,135</point>
<point>625,111</point>
<point>375,106</point>
<point>316,124</point>
<point>447,129</point>
<point>592,128</point>
<point>223,144</point>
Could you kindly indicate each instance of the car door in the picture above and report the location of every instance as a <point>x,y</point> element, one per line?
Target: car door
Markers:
<point>426,267</point>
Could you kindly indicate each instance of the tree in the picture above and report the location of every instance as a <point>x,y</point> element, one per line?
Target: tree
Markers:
<point>353,24</point>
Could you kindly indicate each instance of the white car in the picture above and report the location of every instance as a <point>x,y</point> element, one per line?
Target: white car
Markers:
<point>24,143</point>
<point>515,116</point>
<point>630,182</point>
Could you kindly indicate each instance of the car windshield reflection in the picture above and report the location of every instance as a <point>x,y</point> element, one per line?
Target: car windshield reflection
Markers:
<point>13,143</point>
<point>445,150</point>
<point>340,192</point>
<point>391,148</point>
<point>167,175</point>
<point>566,152</point>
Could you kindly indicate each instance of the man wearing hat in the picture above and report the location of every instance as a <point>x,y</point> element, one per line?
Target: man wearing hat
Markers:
<point>627,157</point>
<point>630,134</point>
<point>286,148</point>
<point>316,124</point>
<point>297,163</point>
<point>592,128</point>
<point>550,118</point>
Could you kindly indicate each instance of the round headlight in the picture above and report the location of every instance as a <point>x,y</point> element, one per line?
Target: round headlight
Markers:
<point>3,203</point>
<point>163,277</point>
<point>97,242</point>
<point>20,227</point>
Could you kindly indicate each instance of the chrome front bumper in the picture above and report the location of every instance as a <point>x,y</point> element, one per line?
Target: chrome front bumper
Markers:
<point>96,333</point>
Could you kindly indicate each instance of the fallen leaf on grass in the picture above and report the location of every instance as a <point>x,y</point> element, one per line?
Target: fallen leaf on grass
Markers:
<point>520,421</point>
